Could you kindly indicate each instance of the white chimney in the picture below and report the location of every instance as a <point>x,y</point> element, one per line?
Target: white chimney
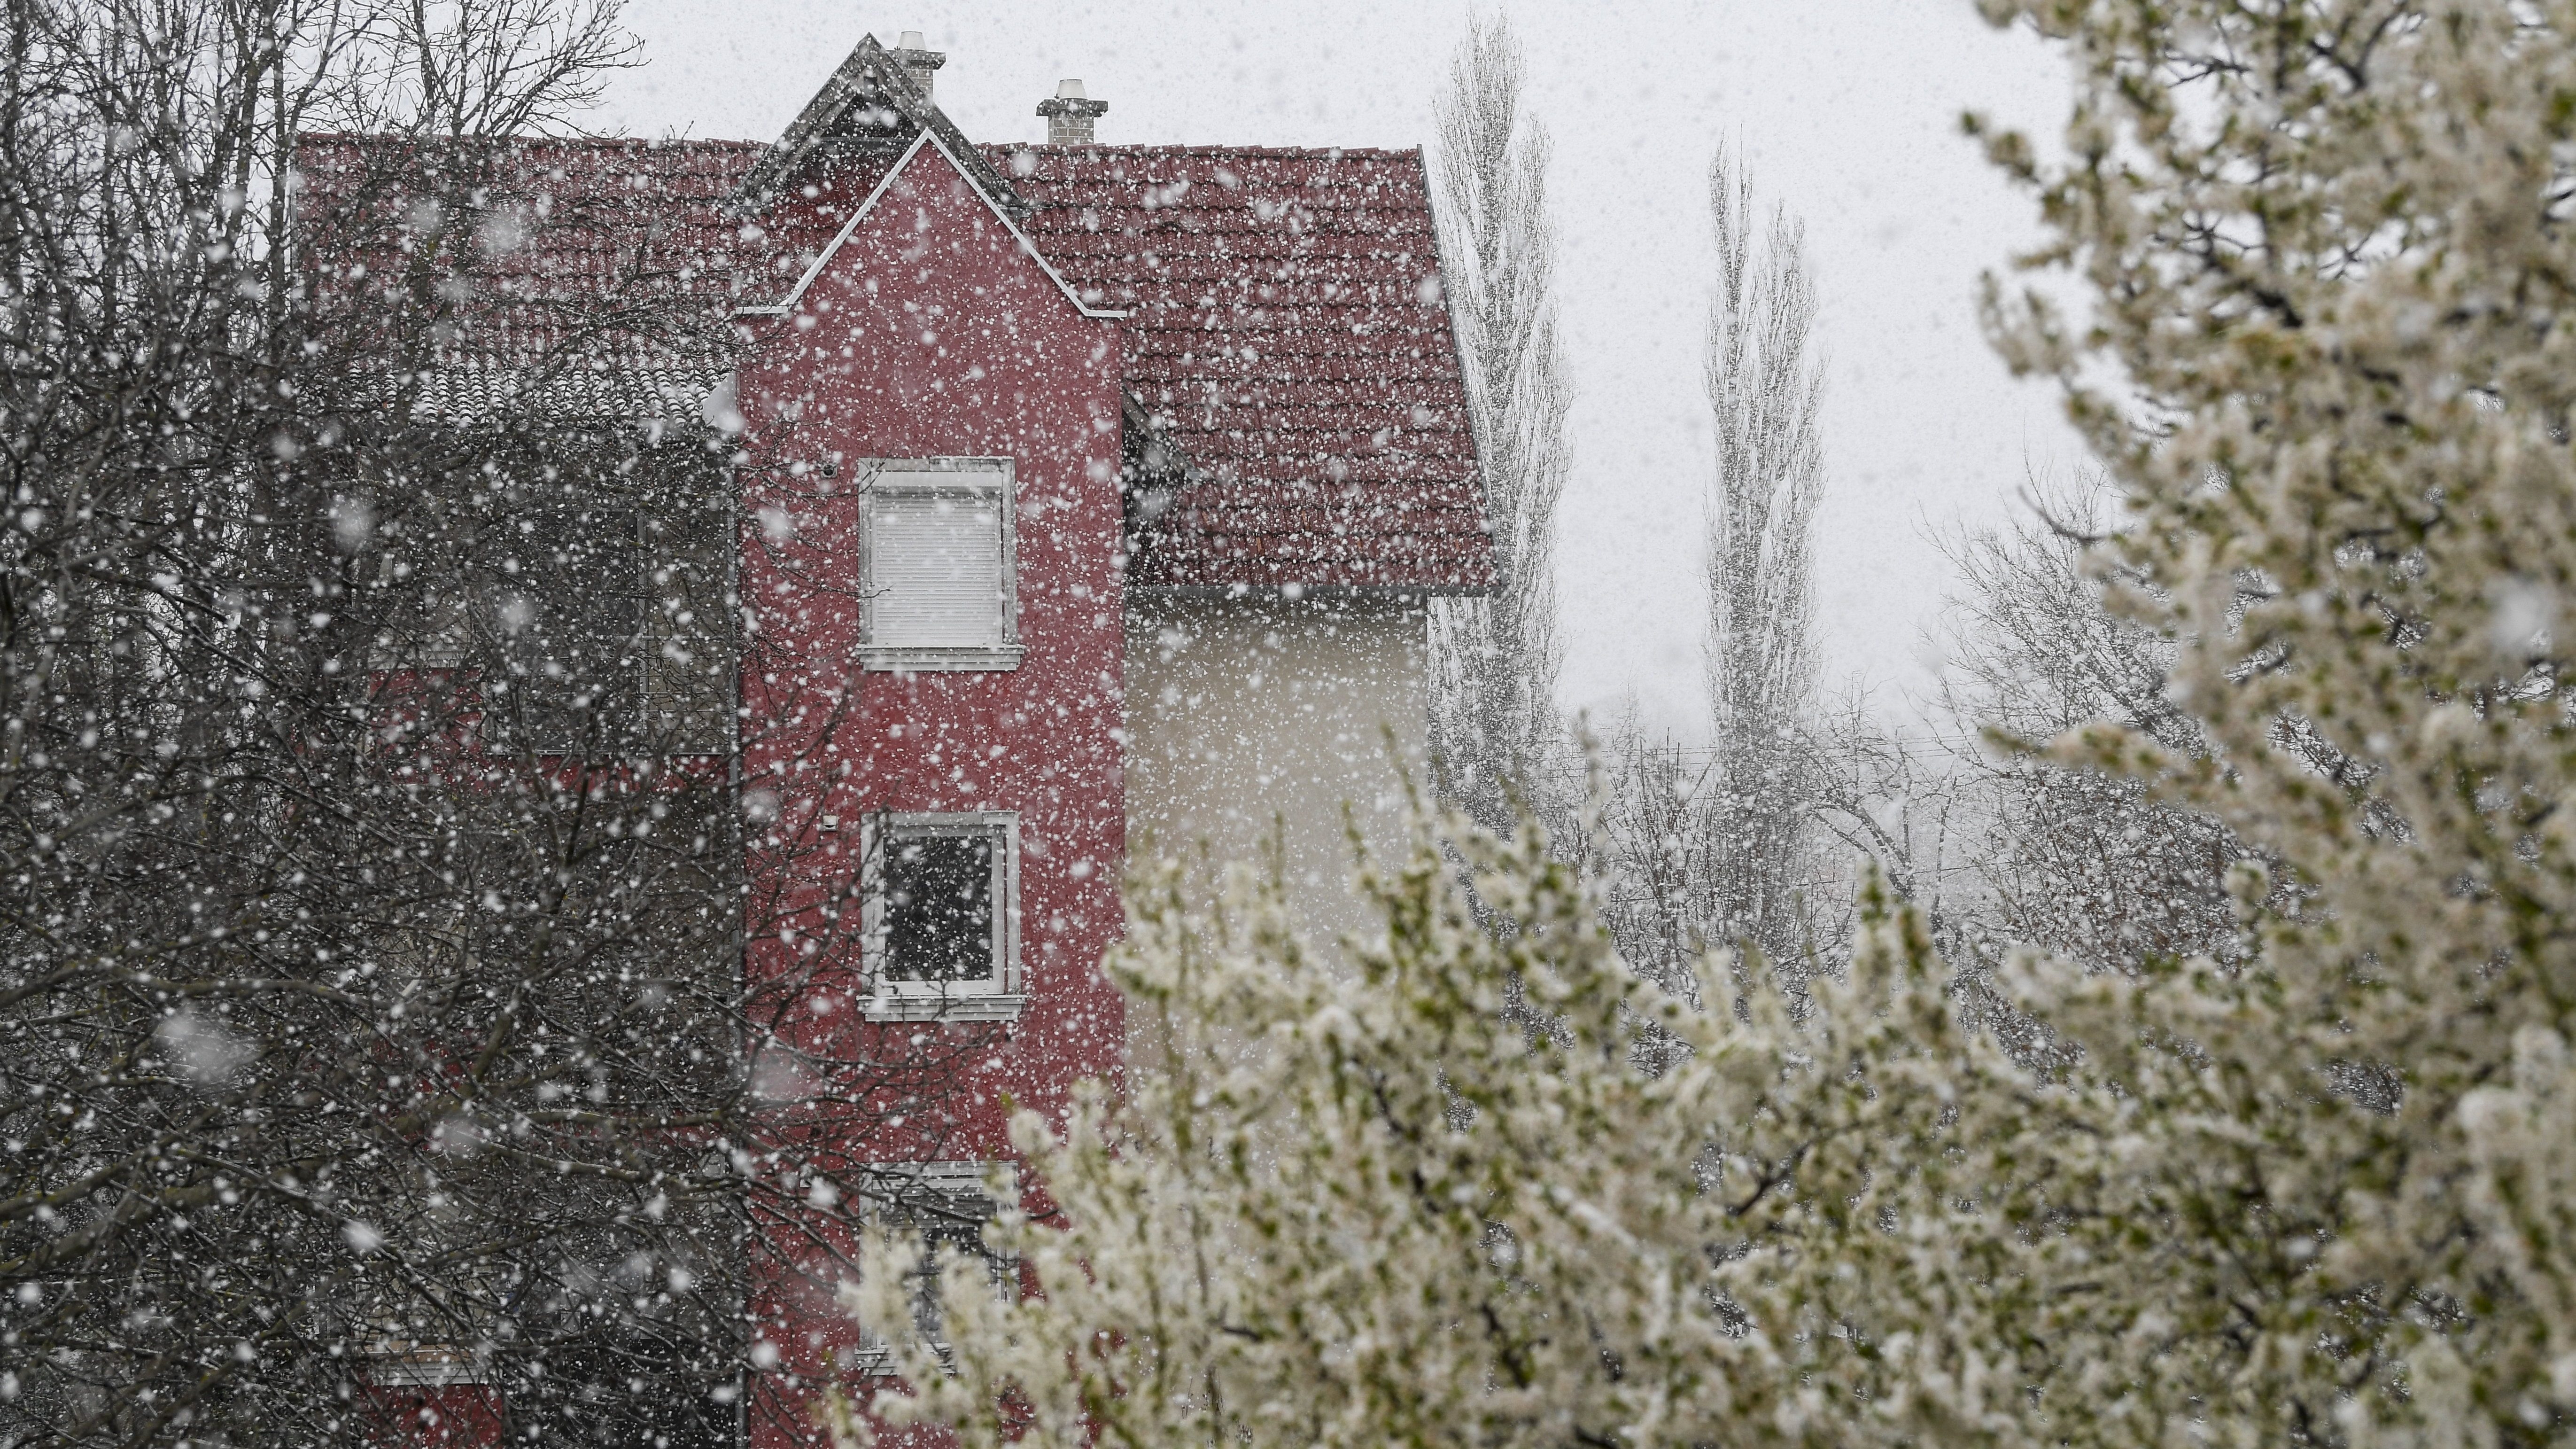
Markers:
<point>1070,114</point>
<point>920,63</point>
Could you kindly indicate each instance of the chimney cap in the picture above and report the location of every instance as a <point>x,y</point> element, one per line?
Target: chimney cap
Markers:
<point>910,53</point>
<point>1069,114</point>
<point>1069,101</point>
<point>920,66</point>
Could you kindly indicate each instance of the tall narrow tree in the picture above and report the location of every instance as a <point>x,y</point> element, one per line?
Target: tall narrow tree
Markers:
<point>1494,718</point>
<point>1765,387</point>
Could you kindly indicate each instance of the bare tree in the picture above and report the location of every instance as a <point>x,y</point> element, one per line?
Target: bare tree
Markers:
<point>1495,724</point>
<point>1890,795</point>
<point>1765,388</point>
<point>2078,863</point>
<point>1653,863</point>
<point>375,1041</point>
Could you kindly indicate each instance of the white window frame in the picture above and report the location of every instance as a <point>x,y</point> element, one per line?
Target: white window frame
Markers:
<point>949,1179</point>
<point>999,999</point>
<point>995,479</point>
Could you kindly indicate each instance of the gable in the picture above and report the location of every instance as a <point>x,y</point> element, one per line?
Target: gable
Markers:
<point>868,103</point>
<point>906,168</point>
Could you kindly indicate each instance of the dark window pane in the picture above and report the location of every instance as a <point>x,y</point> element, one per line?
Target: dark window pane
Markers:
<point>689,655</point>
<point>939,908</point>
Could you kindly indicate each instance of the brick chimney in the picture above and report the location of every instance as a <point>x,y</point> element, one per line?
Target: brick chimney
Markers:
<point>1070,114</point>
<point>920,65</point>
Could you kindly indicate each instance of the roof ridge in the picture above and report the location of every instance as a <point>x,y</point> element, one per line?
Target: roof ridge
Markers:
<point>1371,153</point>
<point>650,143</point>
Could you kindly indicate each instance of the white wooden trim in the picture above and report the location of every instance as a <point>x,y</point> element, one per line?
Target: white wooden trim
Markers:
<point>815,268</point>
<point>954,1178</point>
<point>1022,237</point>
<point>423,1366</point>
<point>943,1008</point>
<point>1006,995</point>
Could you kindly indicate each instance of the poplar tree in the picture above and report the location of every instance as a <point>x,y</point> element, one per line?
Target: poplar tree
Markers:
<point>1765,389</point>
<point>1494,722</point>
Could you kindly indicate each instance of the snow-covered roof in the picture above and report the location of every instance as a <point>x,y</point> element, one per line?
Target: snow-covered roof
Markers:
<point>868,96</point>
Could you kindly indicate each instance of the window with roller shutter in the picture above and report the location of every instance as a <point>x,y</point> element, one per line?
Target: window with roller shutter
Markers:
<point>940,565</point>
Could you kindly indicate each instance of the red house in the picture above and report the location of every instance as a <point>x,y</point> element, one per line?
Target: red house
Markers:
<point>1084,493</point>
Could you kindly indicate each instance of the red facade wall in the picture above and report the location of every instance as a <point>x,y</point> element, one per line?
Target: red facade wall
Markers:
<point>434,1416</point>
<point>929,333</point>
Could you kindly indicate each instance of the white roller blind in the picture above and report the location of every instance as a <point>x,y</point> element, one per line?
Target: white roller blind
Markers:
<point>935,567</point>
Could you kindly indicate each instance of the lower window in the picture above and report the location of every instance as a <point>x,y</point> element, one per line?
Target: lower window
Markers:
<point>943,927</point>
<point>946,1204</point>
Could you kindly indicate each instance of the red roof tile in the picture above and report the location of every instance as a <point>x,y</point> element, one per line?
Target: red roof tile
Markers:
<point>560,255</point>
<point>1286,331</point>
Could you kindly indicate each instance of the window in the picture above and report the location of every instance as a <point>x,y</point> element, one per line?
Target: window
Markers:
<point>940,562</point>
<point>565,615</point>
<point>947,1205</point>
<point>943,932</point>
<point>604,618</point>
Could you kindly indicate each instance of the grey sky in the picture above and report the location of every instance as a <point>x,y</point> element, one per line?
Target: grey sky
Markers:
<point>1848,110</point>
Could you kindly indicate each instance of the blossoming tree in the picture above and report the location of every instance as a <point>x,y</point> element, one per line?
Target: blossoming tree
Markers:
<point>2322,1192</point>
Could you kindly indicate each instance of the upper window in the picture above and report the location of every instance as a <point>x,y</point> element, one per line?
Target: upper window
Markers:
<point>940,561</point>
<point>563,618</point>
<point>943,938</point>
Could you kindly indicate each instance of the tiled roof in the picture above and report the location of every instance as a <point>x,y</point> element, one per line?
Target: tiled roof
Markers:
<point>1286,331</point>
<point>541,265</point>
<point>482,391</point>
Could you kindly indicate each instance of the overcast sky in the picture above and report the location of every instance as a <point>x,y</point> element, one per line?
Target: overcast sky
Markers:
<point>1848,110</point>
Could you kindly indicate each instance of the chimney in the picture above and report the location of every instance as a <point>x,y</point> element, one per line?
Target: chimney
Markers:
<point>920,65</point>
<point>1070,114</point>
